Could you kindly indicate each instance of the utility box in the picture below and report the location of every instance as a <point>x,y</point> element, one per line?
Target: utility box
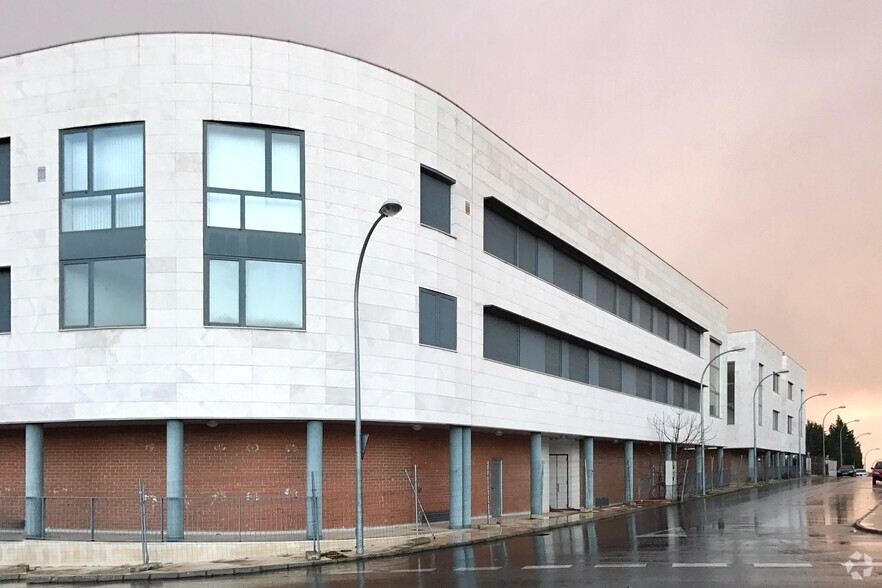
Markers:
<point>832,467</point>
<point>670,479</point>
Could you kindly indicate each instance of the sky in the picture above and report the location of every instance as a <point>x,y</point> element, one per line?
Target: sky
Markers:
<point>740,141</point>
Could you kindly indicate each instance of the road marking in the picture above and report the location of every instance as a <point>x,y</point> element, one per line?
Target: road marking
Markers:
<point>672,532</point>
<point>346,572</point>
<point>416,571</point>
<point>488,569</point>
<point>700,565</point>
<point>548,567</point>
<point>620,565</point>
<point>783,565</point>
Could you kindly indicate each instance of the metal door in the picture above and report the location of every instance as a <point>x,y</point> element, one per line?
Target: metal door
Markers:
<point>496,488</point>
<point>560,481</point>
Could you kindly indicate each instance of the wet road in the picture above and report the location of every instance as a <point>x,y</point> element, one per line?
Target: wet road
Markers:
<point>796,533</point>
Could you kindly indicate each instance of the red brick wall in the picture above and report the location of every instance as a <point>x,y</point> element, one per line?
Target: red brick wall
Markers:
<point>609,470</point>
<point>12,468</point>
<point>514,451</point>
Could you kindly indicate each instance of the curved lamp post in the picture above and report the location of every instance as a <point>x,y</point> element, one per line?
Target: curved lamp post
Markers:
<point>867,455</point>
<point>389,209</point>
<point>701,470</point>
<point>802,433</point>
<point>824,437</point>
<point>842,428</point>
<point>855,442</point>
<point>755,390</point>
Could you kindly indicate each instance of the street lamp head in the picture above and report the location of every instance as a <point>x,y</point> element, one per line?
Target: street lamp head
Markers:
<point>390,208</point>
<point>739,349</point>
<point>783,372</point>
<point>843,406</point>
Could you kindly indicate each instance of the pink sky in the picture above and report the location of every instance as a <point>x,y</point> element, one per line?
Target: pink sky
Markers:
<point>740,141</point>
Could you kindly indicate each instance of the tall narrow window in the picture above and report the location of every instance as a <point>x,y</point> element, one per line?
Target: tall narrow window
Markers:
<point>101,242</point>
<point>775,379</point>
<point>253,242</point>
<point>789,390</point>
<point>789,425</point>
<point>713,380</point>
<point>730,393</point>
<point>5,168</point>
<point>5,301</point>
<point>759,394</point>
<point>437,319</point>
<point>435,199</point>
<point>775,418</point>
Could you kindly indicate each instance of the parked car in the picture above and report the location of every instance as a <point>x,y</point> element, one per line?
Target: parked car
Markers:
<point>846,470</point>
<point>877,472</point>
<point>860,473</point>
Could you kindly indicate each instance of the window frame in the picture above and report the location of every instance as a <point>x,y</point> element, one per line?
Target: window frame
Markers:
<point>5,170</point>
<point>776,420</point>
<point>444,179</point>
<point>243,244</point>
<point>90,262</point>
<point>89,192</point>
<point>437,344</point>
<point>6,299</point>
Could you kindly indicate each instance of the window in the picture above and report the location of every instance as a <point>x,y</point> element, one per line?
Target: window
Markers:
<point>789,425</point>
<point>253,238</point>
<point>789,390</point>
<point>526,245</point>
<point>775,379</point>
<point>435,199</point>
<point>101,242</point>
<point>507,341</point>
<point>5,167</point>
<point>759,401</point>
<point>5,301</point>
<point>713,380</point>
<point>437,319</point>
<point>775,415</point>
<point>730,393</point>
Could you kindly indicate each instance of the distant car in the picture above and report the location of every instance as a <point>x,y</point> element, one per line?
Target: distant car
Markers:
<point>860,473</point>
<point>846,470</point>
<point>877,472</point>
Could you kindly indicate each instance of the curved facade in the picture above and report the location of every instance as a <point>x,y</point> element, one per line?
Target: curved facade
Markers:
<point>185,217</point>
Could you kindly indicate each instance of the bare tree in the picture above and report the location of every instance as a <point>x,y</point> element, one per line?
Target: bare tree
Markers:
<point>684,434</point>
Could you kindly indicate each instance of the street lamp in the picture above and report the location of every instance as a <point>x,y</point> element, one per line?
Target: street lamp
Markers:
<point>802,433</point>
<point>702,472</point>
<point>867,455</point>
<point>840,438</point>
<point>824,437</point>
<point>755,390</point>
<point>389,209</point>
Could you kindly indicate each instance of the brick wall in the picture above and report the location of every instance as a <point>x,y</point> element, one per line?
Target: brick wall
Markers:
<point>514,451</point>
<point>12,462</point>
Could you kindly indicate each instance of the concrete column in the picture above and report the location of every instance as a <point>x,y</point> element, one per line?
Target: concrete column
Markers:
<point>629,472</point>
<point>174,478</point>
<point>588,451</point>
<point>751,464</point>
<point>456,477</point>
<point>536,473</point>
<point>700,469</point>
<point>314,479</point>
<point>33,481</point>
<point>466,477</point>
<point>720,466</point>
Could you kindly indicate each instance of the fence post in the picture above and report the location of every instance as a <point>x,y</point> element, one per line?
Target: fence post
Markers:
<point>239,516</point>
<point>91,518</point>
<point>162,519</point>
<point>316,531</point>
<point>141,498</point>
<point>416,500</point>
<point>488,492</point>
<point>43,517</point>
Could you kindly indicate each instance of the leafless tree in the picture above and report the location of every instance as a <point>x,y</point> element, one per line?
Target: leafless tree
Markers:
<point>683,433</point>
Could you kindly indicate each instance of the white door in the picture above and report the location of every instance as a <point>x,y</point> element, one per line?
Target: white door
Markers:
<point>560,481</point>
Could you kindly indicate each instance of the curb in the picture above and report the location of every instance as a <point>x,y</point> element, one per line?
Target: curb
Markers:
<point>519,531</point>
<point>858,524</point>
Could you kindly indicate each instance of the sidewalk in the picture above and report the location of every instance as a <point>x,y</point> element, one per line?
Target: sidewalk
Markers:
<point>510,527</point>
<point>871,522</point>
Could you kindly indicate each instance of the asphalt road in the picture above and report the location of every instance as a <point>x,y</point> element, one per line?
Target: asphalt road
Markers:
<point>796,533</point>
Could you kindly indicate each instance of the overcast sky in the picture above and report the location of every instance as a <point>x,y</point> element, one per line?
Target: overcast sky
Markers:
<point>740,141</point>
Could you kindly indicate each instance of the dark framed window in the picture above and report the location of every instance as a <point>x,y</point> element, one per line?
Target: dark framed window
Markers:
<point>501,339</point>
<point>775,417</point>
<point>759,394</point>
<point>644,383</point>
<point>5,170</point>
<point>254,226</point>
<point>435,199</point>
<point>567,273</point>
<point>730,393</point>
<point>5,300</point>
<point>102,292</point>
<point>610,372</point>
<point>789,425</point>
<point>437,319</point>
<point>789,390</point>
<point>713,380</point>
<point>501,237</point>
<point>101,219</point>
